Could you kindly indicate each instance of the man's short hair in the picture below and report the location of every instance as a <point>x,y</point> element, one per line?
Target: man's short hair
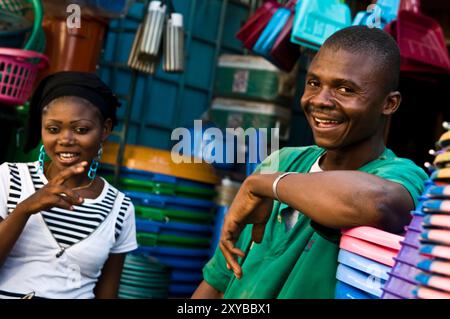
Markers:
<point>371,42</point>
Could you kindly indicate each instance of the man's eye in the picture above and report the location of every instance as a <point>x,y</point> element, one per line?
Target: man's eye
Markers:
<point>344,89</point>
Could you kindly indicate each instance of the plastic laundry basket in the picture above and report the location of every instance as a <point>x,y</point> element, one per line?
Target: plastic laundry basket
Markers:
<point>17,74</point>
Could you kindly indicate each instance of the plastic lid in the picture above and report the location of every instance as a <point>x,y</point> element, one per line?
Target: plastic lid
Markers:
<point>359,280</point>
<point>177,19</point>
<point>363,264</point>
<point>374,252</point>
<point>375,235</point>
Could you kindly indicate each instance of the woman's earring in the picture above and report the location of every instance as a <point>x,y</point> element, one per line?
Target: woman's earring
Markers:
<point>94,165</point>
<point>41,159</point>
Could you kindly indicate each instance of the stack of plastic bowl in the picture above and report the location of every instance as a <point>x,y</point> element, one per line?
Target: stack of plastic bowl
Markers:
<point>174,211</point>
<point>423,264</point>
<point>365,258</point>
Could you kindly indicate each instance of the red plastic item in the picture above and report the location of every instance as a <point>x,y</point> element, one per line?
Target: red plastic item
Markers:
<point>284,53</point>
<point>421,38</point>
<point>252,29</point>
<point>18,71</point>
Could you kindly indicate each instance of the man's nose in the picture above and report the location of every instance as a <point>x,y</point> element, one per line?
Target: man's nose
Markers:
<point>322,98</point>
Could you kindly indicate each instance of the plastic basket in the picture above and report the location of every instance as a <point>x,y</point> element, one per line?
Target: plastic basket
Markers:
<point>17,74</point>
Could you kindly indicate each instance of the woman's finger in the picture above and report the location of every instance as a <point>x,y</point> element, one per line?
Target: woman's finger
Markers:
<point>68,194</point>
<point>229,252</point>
<point>69,172</point>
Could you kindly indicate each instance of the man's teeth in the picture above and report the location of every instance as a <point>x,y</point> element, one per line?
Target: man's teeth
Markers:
<point>326,121</point>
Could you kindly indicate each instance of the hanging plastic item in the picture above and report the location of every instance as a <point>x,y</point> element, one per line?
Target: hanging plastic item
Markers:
<point>153,29</point>
<point>173,56</point>
<point>273,28</point>
<point>378,14</point>
<point>421,38</point>
<point>316,20</point>
<point>252,29</point>
<point>284,54</point>
<point>137,62</point>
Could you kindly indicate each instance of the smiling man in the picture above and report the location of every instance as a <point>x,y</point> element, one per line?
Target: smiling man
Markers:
<point>285,227</point>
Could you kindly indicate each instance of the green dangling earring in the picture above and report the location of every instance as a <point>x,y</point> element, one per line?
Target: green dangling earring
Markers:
<point>94,165</point>
<point>41,159</point>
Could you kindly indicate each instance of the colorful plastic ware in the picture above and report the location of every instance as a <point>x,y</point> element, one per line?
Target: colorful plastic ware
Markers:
<point>316,20</point>
<point>376,236</point>
<point>345,291</point>
<point>363,264</point>
<point>360,280</point>
<point>374,252</point>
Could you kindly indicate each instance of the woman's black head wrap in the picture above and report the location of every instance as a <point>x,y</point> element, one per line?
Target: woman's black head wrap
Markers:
<point>68,83</point>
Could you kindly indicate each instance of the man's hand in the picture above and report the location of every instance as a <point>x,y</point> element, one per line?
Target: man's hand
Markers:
<point>247,208</point>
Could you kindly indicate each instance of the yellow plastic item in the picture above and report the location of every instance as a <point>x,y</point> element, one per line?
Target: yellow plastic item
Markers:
<point>159,161</point>
<point>442,159</point>
<point>444,138</point>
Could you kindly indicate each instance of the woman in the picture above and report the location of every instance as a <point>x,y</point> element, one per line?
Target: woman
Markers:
<point>64,231</point>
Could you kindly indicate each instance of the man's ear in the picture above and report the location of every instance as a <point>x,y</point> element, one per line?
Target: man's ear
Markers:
<point>107,128</point>
<point>392,102</point>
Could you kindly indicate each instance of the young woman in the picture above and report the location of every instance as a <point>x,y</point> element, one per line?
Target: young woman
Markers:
<point>64,231</point>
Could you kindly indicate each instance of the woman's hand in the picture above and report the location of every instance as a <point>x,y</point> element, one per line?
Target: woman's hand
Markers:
<point>247,208</point>
<point>55,193</point>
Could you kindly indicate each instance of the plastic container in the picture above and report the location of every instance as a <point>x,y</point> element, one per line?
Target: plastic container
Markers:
<point>172,215</point>
<point>410,254</point>
<point>436,206</point>
<point>253,78</point>
<point>170,202</point>
<point>232,113</point>
<point>376,236</point>
<point>360,280</point>
<point>405,271</point>
<point>150,239</point>
<point>371,251</point>
<point>18,73</point>
<point>13,30</point>
<point>363,264</point>
<point>430,293</point>
<point>399,287</point>
<point>439,192</point>
<point>442,221</point>
<point>435,266</point>
<point>173,228</point>
<point>412,237</point>
<point>159,161</point>
<point>345,291</point>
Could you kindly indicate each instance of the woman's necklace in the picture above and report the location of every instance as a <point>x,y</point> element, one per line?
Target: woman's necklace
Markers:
<point>75,188</point>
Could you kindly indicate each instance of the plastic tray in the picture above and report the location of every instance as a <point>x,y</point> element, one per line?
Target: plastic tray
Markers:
<point>436,236</point>
<point>376,236</point>
<point>438,192</point>
<point>363,264</point>
<point>170,202</point>
<point>173,228</point>
<point>412,237</point>
<point>438,251</point>
<point>150,239</point>
<point>167,215</point>
<point>416,222</point>
<point>363,248</point>
<point>441,175</point>
<point>436,206</point>
<point>430,293</point>
<point>360,280</point>
<point>410,254</point>
<point>399,287</point>
<point>174,251</point>
<point>161,188</point>
<point>405,271</point>
<point>434,281</point>
<point>435,266</point>
<point>345,291</point>
<point>442,221</point>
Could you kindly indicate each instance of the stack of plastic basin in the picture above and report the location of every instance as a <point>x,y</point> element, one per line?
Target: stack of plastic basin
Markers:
<point>423,262</point>
<point>174,216</point>
<point>144,278</point>
<point>365,258</point>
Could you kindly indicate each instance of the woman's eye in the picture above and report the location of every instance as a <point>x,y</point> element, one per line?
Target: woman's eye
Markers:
<point>52,130</point>
<point>81,130</point>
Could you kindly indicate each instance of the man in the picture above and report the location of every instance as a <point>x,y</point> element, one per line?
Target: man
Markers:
<point>349,179</point>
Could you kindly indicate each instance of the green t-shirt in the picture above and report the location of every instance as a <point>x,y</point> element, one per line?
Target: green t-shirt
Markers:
<point>300,262</point>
